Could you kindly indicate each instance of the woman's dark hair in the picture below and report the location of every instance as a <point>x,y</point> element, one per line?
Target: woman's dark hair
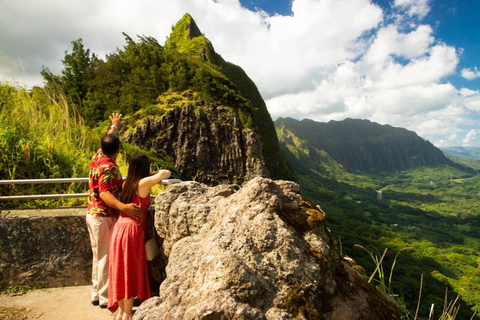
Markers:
<point>138,168</point>
<point>110,144</point>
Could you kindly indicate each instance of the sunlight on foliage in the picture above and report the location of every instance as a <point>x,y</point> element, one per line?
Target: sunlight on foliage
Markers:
<point>42,136</point>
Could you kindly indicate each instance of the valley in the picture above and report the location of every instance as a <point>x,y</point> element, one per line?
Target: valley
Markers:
<point>433,210</point>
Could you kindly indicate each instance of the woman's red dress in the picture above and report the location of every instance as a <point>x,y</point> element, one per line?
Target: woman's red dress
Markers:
<point>128,270</point>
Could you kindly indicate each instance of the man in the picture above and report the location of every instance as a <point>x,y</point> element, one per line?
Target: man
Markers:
<point>105,184</point>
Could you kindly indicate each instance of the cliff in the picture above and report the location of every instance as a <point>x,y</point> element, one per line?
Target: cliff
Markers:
<point>187,38</point>
<point>207,141</point>
<point>359,145</point>
<point>257,252</point>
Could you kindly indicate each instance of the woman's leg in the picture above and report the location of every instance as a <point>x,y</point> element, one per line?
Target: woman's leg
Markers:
<point>128,306</point>
<point>121,309</point>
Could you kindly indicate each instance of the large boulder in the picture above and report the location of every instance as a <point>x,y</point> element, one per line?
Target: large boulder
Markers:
<point>257,252</point>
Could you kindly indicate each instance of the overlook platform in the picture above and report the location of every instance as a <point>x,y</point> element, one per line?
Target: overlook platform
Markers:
<point>54,304</point>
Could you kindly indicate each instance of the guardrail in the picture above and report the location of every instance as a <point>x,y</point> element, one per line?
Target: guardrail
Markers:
<point>56,181</point>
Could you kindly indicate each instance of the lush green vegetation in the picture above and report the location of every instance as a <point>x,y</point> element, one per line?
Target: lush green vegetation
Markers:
<point>433,210</point>
<point>133,78</point>
<point>42,136</point>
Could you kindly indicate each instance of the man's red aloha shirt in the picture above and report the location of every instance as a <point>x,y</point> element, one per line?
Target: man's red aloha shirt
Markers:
<point>104,176</point>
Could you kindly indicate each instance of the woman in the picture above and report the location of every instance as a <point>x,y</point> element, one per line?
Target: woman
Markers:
<point>128,271</point>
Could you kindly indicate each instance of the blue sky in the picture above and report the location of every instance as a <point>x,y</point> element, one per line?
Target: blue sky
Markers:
<point>407,63</point>
<point>282,7</point>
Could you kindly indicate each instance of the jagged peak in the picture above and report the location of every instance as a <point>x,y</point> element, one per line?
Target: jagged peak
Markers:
<point>184,29</point>
<point>187,38</point>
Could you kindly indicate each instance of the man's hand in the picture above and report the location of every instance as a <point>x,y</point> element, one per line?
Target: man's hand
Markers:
<point>132,210</point>
<point>116,119</point>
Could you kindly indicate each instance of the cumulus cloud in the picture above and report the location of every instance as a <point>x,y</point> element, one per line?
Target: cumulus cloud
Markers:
<point>413,8</point>
<point>471,138</point>
<point>470,74</point>
<point>326,60</point>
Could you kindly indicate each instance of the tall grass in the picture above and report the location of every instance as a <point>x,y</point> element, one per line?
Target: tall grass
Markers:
<point>450,309</point>
<point>42,136</point>
<point>381,281</point>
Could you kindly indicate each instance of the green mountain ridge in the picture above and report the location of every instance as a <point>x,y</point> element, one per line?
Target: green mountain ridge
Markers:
<point>364,146</point>
<point>187,38</point>
<point>463,152</point>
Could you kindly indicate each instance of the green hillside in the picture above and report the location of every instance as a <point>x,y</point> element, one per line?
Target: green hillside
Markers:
<point>466,156</point>
<point>364,146</point>
<point>432,208</point>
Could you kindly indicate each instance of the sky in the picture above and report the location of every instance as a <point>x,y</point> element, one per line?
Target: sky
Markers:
<point>413,64</point>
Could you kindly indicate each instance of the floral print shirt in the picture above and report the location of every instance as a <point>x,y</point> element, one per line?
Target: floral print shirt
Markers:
<point>104,176</point>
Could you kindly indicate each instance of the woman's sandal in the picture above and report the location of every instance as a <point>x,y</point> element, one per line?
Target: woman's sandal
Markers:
<point>127,316</point>
<point>119,315</point>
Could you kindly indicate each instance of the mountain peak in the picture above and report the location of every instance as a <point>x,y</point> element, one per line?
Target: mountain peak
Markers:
<point>185,29</point>
<point>187,38</point>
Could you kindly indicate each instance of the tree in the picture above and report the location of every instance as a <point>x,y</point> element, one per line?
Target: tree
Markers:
<point>78,69</point>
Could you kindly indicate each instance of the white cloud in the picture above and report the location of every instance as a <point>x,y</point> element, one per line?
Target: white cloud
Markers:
<point>470,74</point>
<point>413,8</point>
<point>471,138</point>
<point>327,60</point>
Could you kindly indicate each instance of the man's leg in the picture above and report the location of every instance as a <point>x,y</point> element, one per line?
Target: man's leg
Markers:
<point>102,267</point>
<point>92,226</point>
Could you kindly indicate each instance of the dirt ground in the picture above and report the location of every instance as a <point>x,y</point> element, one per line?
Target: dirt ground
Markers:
<point>52,304</point>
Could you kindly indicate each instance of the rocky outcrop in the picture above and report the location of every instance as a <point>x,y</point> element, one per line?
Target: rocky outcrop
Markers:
<point>256,252</point>
<point>208,142</point>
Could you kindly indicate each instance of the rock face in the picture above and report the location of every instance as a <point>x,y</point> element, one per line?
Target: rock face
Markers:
<point>44,248</point>
<point>208,142</point>
<point>256,252</point>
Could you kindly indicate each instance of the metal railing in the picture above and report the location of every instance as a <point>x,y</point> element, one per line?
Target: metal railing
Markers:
<point>56,181</point>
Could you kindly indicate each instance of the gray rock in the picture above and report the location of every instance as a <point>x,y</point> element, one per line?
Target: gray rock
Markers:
<point>263,252</point>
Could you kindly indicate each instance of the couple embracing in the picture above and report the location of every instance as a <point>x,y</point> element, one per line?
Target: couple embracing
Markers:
<point>116,222</point>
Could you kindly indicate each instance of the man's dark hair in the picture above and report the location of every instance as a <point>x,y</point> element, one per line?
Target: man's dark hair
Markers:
<point>110,144</point>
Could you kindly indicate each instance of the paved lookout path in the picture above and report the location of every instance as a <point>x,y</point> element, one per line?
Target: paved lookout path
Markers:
<point>57,304</point>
